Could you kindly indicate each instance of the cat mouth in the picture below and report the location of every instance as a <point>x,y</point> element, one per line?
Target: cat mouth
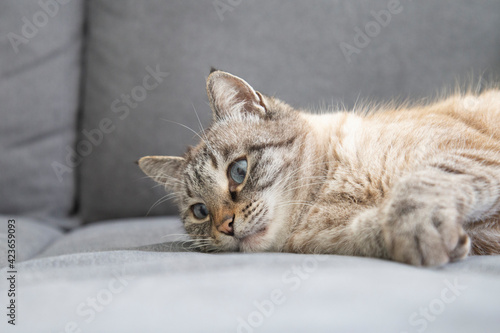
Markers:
<point>253,237</point>
<point>252,241</point>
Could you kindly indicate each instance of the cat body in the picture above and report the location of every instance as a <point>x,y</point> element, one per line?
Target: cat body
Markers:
<point>416,184</point>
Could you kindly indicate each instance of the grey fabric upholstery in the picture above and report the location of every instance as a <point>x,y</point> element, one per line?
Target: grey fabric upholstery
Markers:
<point>96,280</point>
<point>139,291</point>
<point>292,49</point>
<point>118,234</point>
<point>40,68</point>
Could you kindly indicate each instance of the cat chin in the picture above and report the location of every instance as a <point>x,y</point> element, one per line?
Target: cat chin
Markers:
<point>257,242</point>
<point>272,238</point>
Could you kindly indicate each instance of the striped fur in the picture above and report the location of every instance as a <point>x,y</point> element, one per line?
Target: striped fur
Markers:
<point>416,184</point>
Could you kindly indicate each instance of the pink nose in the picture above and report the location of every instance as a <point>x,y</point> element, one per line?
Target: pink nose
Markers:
<point>227,227</point>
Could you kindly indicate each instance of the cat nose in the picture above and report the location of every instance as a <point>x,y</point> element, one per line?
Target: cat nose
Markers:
<point>226,227</point>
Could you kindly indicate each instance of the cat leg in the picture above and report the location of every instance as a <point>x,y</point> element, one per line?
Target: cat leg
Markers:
<point>349,229</point>
<point>420,221</point>
<point>423,219</point>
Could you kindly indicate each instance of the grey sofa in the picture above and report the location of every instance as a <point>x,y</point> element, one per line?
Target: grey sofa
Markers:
<point>88,87</point>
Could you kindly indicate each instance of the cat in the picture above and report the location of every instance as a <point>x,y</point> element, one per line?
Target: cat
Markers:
<point>414,184</point>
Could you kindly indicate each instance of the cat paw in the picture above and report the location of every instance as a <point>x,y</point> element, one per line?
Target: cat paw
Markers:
<point>424,232</point>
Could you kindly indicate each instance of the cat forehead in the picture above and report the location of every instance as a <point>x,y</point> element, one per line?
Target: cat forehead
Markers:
<point>223,140</point>
<point>211,156</point>
<point>233,128</point>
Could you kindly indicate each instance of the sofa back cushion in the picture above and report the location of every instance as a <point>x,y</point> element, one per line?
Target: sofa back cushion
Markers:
<point>40,51</point>
<point>147,62</point>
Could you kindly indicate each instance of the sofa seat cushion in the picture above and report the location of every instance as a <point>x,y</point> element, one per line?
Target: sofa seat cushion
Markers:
<point>143,291</point>
<point>131,276</point>
<point>118,234</point>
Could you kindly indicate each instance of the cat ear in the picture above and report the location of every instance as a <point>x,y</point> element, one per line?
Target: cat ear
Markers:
<point>230,95</point>
<point>163,169</point>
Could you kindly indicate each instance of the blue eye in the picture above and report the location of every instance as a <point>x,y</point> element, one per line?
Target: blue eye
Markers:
<point>200,211</point>
<point>239,171</point>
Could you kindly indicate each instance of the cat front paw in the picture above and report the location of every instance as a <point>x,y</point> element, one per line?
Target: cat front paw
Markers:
<point>424,232</point>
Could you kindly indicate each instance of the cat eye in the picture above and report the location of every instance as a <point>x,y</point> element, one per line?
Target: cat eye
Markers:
<point>200,211</point>
<point>238,171</point>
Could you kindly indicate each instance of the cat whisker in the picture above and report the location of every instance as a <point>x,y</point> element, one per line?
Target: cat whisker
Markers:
<point>301,169</point>
<point>192,130</point>
<point>312,163</point>
<point>173,179</point>
<point>301,179</point>
<point>199,240</point>
<point>294,203</point>
<point>203,131</point>
<point>202,241</point>
<point>201,245</point>
<point>163,199</point>
<point>162,175</point>
<point>163,185</point>
<point>301,186</point>
<point>142,178</point>
<point>174,235</point>
<point>194,243</point>
<point>193,238</point>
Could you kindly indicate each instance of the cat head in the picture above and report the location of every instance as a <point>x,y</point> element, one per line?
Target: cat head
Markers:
<point>231,188</point>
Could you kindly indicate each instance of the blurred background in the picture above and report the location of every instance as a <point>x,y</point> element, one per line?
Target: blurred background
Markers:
<point>88,87</point>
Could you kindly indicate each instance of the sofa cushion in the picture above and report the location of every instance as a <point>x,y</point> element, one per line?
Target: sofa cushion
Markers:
<point>30,237</point>
<point>147,62</point>
<point>138,291</point>
<point>40,46</point>
<point>118,235</point>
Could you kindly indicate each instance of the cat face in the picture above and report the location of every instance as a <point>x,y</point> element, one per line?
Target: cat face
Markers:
<point>232,187</point>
